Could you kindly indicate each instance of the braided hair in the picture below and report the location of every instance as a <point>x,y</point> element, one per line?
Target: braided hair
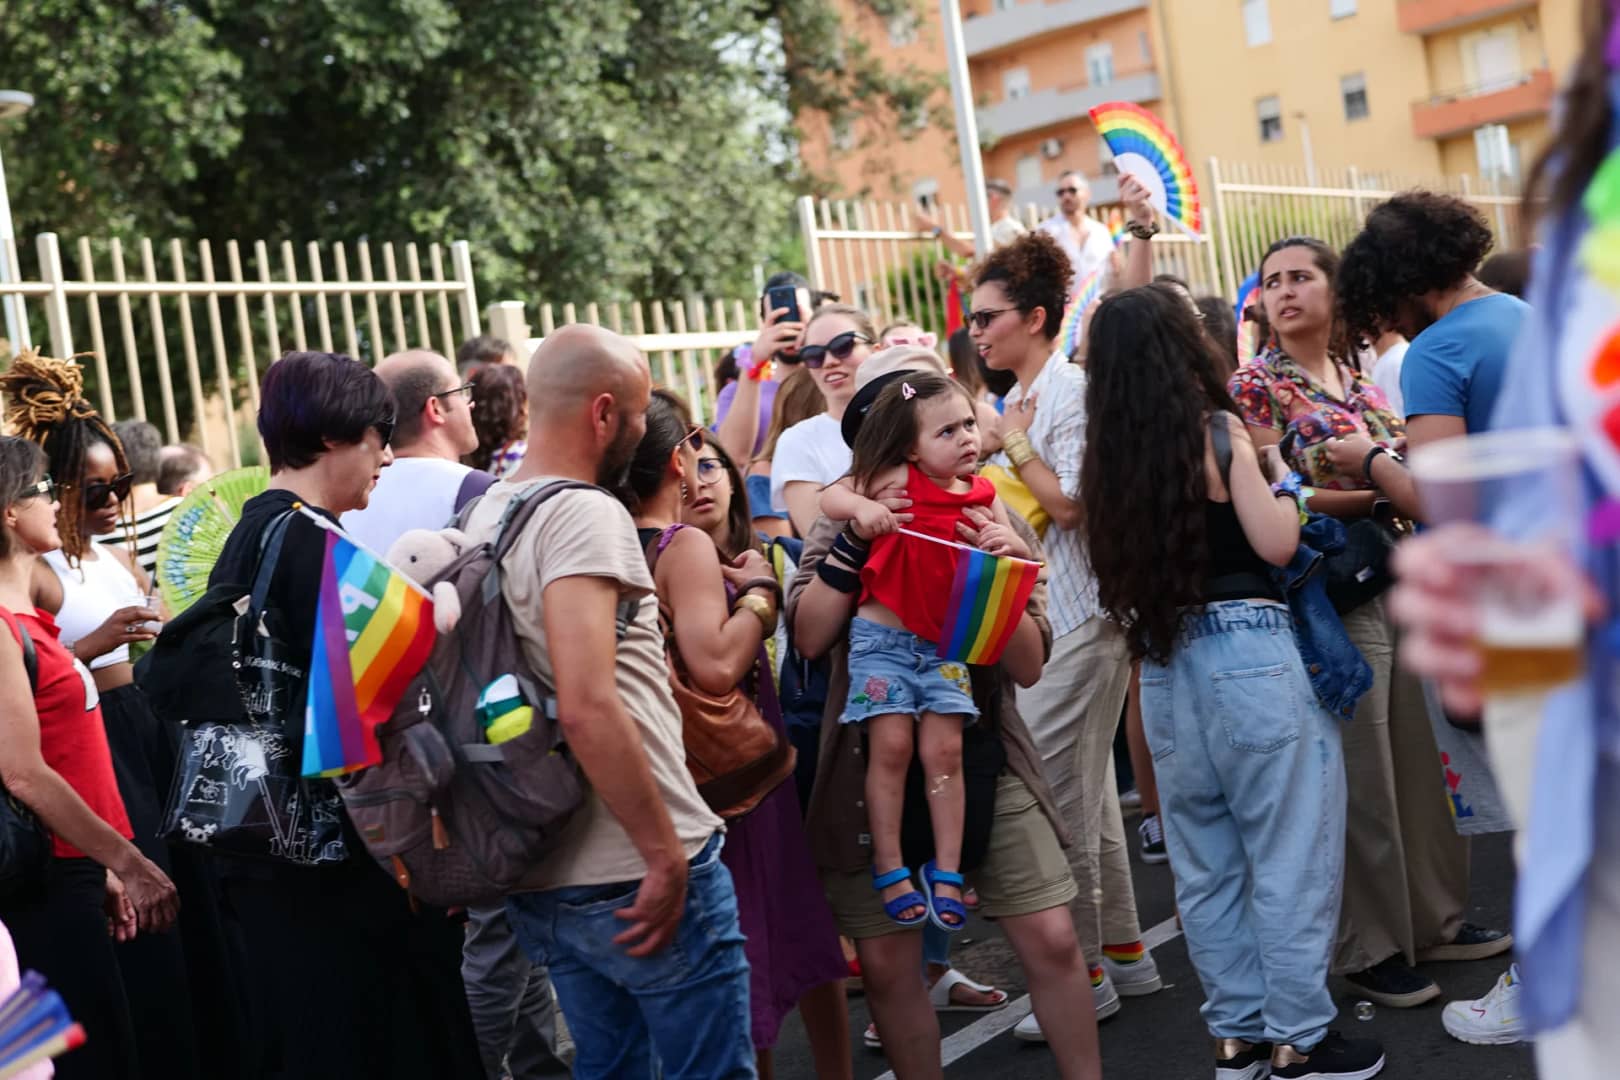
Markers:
<point>45,404</point>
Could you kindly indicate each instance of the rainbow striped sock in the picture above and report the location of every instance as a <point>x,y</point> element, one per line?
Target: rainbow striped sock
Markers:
<point>1097,975</point>
<point>1128,953</point>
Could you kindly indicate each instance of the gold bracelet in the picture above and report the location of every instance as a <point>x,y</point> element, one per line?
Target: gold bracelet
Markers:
<point>1018,449</point>
<point>762,608</point>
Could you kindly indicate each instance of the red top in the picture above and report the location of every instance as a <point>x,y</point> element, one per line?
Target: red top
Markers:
<point>72,739</point>
<point>912,577</point>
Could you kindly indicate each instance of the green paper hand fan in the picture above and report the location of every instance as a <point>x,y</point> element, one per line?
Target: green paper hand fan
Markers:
<point>191,542</point>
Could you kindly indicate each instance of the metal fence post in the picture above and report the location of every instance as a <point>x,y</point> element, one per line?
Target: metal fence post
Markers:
<point>1223,226</point>
<point>812,245</point>
<point>56,309</point>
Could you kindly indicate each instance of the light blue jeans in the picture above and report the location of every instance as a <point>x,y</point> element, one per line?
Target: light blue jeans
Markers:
<point>1252,793</point>
<point>679,1013</point>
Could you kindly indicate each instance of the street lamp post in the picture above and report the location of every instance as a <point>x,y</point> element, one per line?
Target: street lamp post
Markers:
<point>12,103</point>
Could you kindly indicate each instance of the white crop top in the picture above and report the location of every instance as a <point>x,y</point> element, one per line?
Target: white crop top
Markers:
<point>91,592</point>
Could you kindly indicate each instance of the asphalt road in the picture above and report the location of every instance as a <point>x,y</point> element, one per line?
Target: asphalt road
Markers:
<point>1162,1038</point>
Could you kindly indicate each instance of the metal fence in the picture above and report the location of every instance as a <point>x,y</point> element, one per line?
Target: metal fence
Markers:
<point>226,323</point>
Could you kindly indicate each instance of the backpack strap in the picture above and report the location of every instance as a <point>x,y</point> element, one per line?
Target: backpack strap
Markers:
<point>1220,440</point>
<point>30,658</point>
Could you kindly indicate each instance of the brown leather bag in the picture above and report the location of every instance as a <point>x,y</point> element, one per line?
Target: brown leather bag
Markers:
<point>736,755</point>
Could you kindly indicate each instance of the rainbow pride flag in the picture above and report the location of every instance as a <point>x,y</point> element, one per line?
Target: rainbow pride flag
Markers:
<point>373,632</point>
<point>988,595</point>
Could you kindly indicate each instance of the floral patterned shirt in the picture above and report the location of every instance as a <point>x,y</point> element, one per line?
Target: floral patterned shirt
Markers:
<point>1272,391</point>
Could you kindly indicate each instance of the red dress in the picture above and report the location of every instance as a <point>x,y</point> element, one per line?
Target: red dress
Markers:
<point>912,577</point>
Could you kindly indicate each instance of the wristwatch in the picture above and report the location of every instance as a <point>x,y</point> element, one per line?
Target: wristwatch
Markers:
<point>1142,232</point>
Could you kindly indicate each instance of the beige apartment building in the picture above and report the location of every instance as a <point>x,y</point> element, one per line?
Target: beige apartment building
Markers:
<point>1404,88</point>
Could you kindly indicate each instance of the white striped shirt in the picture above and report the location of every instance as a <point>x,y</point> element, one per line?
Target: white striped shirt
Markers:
<point>148,527</point>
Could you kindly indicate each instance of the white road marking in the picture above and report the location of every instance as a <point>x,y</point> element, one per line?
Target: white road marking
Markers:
<point>955,1047</point>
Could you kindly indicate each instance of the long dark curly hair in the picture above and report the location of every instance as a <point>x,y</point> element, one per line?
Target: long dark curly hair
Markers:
<point>1413,244</point>
<point>1151,385</point>
<point>500,411</point>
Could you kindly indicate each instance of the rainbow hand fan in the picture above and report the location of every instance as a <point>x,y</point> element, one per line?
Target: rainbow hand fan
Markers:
<point>1144,148</point>
<point>34,1026</point>
<point>191,542</point>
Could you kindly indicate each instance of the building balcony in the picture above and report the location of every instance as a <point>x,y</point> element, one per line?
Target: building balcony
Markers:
<point>1030,19</point>
<point>1433,16</point>
<point>1494,103</point>
<point>1048,108</point>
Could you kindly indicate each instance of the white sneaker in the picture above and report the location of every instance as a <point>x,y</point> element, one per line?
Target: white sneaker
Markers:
<point>1493,1020</point>
<point>1136,979</point>
<point>1130,800</point>
<point>1105,999</point>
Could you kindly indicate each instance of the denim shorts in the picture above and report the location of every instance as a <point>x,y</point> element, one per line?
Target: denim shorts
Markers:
<point>895,671</point>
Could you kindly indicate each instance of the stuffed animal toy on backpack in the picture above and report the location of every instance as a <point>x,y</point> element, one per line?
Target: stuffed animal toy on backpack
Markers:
<point>422,555</point>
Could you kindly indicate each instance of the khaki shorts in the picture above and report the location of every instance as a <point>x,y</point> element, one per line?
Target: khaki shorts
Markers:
<point>1023,871</point>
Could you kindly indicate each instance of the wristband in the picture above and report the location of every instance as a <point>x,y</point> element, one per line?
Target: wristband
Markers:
<point>762,583</point>
<point>1143,232</point>
<point>837,577</point>
<point>1293,486</point>
<point>1366,463</point>
<point>1019,451</point>
<point>762,609</point>
<point>844,548</point>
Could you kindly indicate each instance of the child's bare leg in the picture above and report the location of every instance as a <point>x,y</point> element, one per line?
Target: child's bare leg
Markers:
<point>939,744</point>
<point>889,742</point>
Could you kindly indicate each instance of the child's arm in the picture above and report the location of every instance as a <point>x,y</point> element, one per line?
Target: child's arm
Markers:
<point>995,533</point>
<point>840,501</point>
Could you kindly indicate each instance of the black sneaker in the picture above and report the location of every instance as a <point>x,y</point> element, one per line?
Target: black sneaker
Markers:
<point>1394,985</point>
<point>1334,1058</point>
<point>1471,943</point>
<point>1238,1060</point>
<point>1152,833</point>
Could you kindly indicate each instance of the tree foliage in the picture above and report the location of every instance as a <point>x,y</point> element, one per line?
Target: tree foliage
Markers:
<point>600,150</point>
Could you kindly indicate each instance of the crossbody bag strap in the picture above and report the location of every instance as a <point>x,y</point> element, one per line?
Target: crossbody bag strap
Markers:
<point>1220,440</point>
<point>269,554</point>
<point>25,641</point>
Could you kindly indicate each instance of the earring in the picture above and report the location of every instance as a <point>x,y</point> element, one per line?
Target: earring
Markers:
<point>683,491</point>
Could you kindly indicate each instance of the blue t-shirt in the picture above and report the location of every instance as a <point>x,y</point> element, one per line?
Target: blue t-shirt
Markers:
<point>1454,368</point>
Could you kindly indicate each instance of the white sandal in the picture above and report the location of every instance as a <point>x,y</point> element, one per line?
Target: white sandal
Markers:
<point>939,995</point>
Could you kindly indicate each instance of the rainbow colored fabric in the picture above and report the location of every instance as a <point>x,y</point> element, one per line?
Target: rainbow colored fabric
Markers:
<point>1133,134</point>
<point>373,632</point>
<point>988,595</point>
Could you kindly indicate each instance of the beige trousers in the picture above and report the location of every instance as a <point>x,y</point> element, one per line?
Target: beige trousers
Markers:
<point>1405,867</point>
<point>1072,714</point>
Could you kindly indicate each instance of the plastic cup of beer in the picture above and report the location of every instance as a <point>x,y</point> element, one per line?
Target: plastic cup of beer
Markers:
<point>1520,488</point>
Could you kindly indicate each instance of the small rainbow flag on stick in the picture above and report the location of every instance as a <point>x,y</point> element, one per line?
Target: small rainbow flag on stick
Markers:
<point>373,632</point>
<point>988,596</point>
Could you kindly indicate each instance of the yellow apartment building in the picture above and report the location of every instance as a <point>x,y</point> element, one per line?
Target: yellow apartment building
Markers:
<point>1406,88</point>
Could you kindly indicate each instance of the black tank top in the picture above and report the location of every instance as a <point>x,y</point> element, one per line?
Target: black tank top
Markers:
<point>1235,571</point>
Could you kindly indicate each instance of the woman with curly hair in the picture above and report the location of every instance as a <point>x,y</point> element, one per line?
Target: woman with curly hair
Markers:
<point>96,594</point>
<point>1074,710</point>
<point>1182,537</point>
<point>1411,270</point>
<point>1406,877</point>
<point>500,413</point>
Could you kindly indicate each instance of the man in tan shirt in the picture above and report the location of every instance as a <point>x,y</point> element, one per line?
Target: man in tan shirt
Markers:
<point>633,914</point>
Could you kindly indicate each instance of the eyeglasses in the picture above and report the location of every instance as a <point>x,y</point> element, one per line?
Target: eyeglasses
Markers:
<point>45,488</point>
<point>464,388</point>
<point>840,347</point>
<point>982,318</point>
<point>709,470</point>
<point>95,494</point>
<point>1062,191</point>
<point>384,429</point>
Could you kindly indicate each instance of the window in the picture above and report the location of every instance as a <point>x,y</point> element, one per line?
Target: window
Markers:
<point>1341,9</point>
<point>1496,153</point>
<point>1353,89</point>
<point>1028,171</point>
<point>1015,83</point>
<point>903,29</point>
<point>926,192</point>
<point>1004,5</point>
<point>1105,159</point>
<point>1100,63</point>
<point>1145,43</point>
<point>1269,112</point>
<point>1257,22</point>
<point>1491,59</point>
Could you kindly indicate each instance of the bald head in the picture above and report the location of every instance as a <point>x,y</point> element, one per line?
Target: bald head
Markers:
<point>578,363</point>
<point>414,376</point>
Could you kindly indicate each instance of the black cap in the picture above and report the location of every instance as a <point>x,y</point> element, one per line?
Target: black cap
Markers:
<point>864,399</point>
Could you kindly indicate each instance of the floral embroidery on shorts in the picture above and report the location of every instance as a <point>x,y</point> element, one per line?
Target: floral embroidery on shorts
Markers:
<point>874,692</point>
<point>957,674</point>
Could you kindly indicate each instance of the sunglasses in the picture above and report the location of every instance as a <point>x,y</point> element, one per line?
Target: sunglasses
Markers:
<point>385,429</point>
<point>95,494</point>
<point>1067,191</point>
<point>839,347</point>
<point>464,388</point>
<point>694,438</point>
<point>45,488</point>
<point>982,318</point>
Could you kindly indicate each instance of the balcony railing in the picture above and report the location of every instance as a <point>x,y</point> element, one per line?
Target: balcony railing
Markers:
<point>1496,102</point>
<point>1433,16</point>
<point>989,33</point>
<point>1047,108</point>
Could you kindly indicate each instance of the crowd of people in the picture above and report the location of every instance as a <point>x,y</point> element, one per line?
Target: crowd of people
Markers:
<point>1216,529</point>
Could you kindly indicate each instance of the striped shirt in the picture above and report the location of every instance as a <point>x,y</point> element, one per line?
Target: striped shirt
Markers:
<point>148,527</point>
<point>1058,438</point>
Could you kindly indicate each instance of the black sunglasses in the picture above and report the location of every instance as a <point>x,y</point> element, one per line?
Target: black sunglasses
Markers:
<point>384,429</point>
<point>982,318</point>
<point>1068,191</point>
<point>694,438</point>
<point>95,493</point>
<point>840,347</point>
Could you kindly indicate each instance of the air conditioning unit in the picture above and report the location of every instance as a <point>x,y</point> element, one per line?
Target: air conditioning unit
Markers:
<point>1051,148</point>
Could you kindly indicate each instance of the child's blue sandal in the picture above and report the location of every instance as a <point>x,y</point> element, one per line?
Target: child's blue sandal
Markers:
<point>941,906</point>
<point>913,899</point>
